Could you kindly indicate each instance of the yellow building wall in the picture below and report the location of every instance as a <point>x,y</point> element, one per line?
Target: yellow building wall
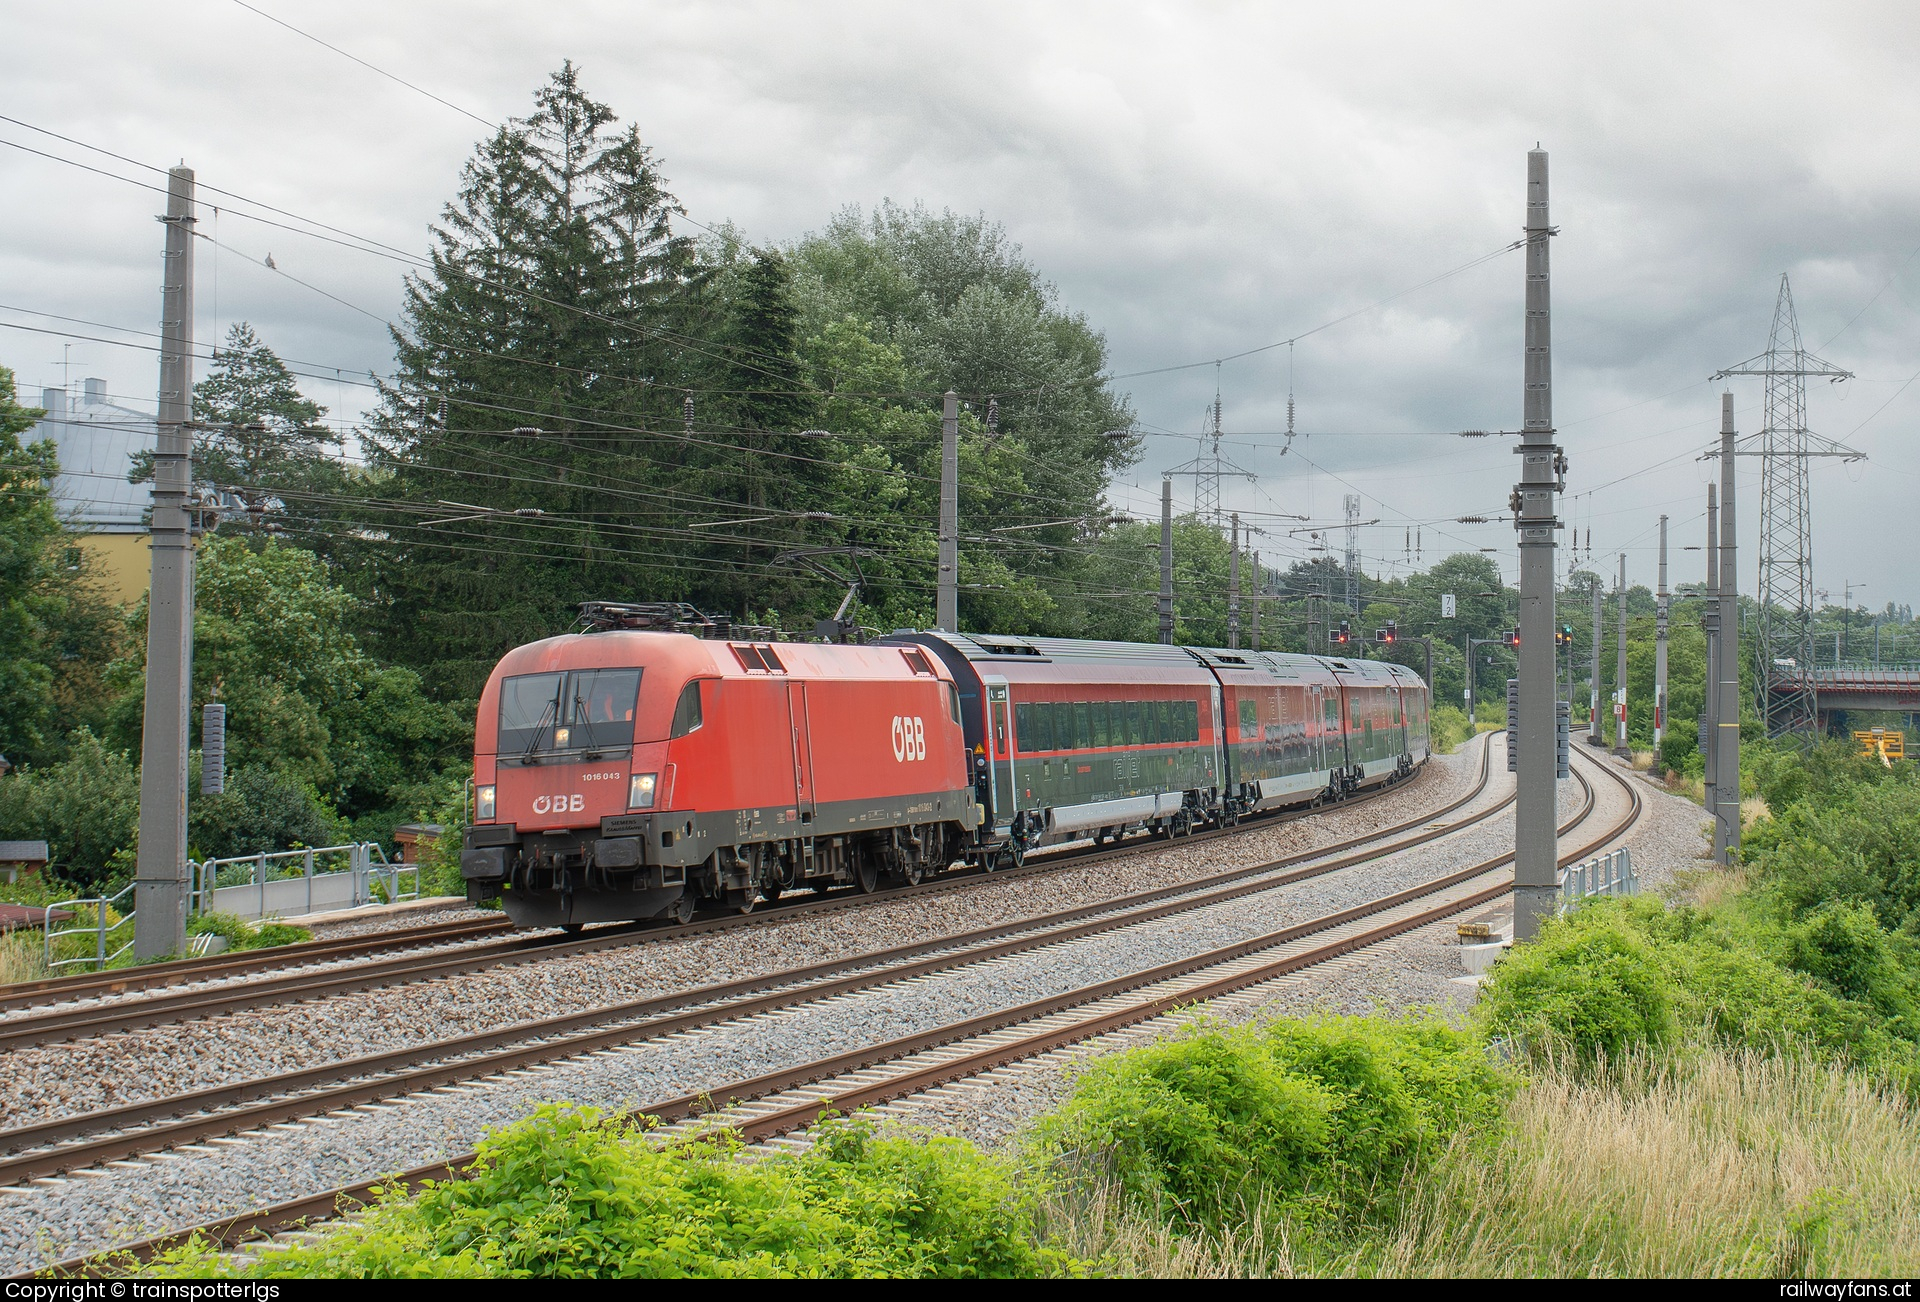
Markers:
<point>123,562</point>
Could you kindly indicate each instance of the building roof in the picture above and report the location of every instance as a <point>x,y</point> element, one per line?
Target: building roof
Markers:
<point>96,441</point>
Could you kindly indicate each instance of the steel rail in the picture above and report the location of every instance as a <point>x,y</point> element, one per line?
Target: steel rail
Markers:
<point>95,985</point>
<point>295,1094</point>
<point>297,986</point>
<point>236,1229</point>
<point>214,967</point>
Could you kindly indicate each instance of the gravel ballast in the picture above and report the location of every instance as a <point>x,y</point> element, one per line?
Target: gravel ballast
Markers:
<point>65,1079</point>
<point>132,1200</point>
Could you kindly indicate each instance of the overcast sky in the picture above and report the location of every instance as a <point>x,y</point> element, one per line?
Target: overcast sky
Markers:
<point>1197,179</point>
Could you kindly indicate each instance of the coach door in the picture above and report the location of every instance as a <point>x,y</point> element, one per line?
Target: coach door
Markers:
<point>802,750</point>
<point>999,749</point>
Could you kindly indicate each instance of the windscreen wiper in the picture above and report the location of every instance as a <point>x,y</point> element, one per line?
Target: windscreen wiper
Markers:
<point>592,751</point>
<point>552,712</point>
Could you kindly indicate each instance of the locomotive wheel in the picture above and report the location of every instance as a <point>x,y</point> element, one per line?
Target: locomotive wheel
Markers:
<point>682,910</point>
<point>742,901</point>
<point>866,875</point>
<point>909,874</point>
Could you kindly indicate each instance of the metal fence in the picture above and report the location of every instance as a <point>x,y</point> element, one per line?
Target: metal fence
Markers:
<point>300,881</point>
<point>285,883</point>
<point>1608,874</point>
<point>118,934</point>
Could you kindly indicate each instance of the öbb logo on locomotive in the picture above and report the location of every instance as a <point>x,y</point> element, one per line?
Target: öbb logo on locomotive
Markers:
<point>752,770</point>
<point>909,738</point>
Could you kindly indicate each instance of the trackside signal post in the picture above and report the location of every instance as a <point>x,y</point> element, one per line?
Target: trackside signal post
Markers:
<point>1536,873</point>
<point>160,866</point>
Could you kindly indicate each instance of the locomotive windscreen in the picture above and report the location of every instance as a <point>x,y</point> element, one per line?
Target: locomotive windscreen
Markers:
<point>588,709</point>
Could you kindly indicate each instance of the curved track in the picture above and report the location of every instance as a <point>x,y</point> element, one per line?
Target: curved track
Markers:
<point>43,1150</point>
<point>792,1098</point>
<point>165,1005</point>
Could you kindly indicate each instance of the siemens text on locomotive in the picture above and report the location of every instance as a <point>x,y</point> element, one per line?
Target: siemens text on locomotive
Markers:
<point>630,772</point>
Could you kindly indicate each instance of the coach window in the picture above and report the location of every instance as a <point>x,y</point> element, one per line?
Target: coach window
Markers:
<point>687,715</point>
<point>1023,727</point>
<point>1097,712</point>
<point>1082,727</point>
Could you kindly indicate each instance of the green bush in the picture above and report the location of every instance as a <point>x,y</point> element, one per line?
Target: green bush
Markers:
<point>86,808</point>
<point>1320,1115</point>
<point>1449,727</point>
<point>260,811</point>
<point>241,934</point>
<point>573,1193</point>
<point>1590,983</point>
<point>1621,975</point>
<point>1837,839</point>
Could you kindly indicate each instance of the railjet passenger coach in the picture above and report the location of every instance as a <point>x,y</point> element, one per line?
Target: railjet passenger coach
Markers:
<point>660,762</point>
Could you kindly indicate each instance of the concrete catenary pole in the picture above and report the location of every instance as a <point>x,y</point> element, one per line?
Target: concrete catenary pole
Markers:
<point>1166,562</point>
<point>160,864</point>
<point>1596,734</point>
<point>1726,831</point>
<point>1660,644</point>
<point>1710,624</point>
<point>948,610</point>
<point>1233,587</point>
<point>1620,746</point>
<point>1536,872</point>
<point>1259,594</point>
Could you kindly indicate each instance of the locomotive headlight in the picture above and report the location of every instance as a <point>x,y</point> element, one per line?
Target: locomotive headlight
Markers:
<point>640,791</point>
<point>562,737</point>
<point>484,801</point>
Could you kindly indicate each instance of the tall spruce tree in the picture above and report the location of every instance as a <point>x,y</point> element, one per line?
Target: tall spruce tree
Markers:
<point>534,357</point>
<point>259,432</point>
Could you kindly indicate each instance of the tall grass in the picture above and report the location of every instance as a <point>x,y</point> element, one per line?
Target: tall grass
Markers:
<point>23,956</point>
<point>1730,1164</point>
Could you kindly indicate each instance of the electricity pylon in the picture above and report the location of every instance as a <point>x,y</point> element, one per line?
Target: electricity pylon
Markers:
<point>1783,645</point>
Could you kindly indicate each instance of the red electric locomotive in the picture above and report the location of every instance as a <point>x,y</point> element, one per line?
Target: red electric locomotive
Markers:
<point>663,760</point>
<point>624,774</point>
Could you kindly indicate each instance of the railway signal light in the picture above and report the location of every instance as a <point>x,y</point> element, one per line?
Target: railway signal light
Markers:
<point>1563,637</point>
<point>1510,638</point>
<point>1345,633</point>
<point>1386,636</point>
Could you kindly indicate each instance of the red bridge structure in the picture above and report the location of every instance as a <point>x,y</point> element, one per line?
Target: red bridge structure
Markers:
<point>1840,690</point>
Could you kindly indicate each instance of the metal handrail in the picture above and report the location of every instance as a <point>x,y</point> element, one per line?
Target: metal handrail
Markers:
<point>1608,874</point>
<point>366,860</point>
<point>98,929</point>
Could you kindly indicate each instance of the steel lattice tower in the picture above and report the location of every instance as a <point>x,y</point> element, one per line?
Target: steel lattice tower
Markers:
<point>1208,468</point>
<point>1783,642</point>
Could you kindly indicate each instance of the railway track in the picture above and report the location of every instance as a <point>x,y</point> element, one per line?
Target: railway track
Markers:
<point>44,1150</point>
<point>428,959</point>
<point>792,1098</point>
